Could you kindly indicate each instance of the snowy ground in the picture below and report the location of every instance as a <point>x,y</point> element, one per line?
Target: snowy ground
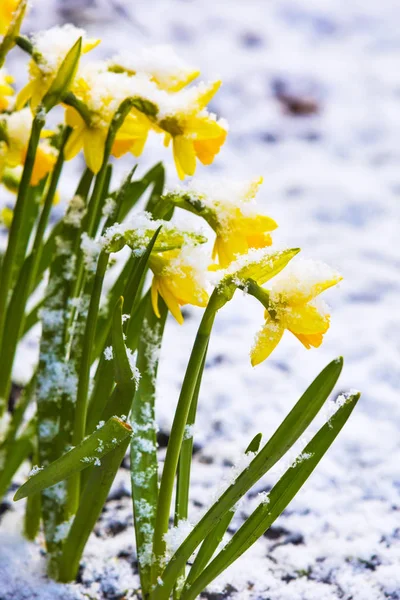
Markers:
<point>332,182</point>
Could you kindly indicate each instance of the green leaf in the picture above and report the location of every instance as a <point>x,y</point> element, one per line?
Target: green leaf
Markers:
<point>284,437</point>
<point>87,453</point>
<point>100,478</point>
<point>64,77</point>
<point>104,381</point>
<point>279,497</point>
<point>214,538</point>
<point>144,464</point>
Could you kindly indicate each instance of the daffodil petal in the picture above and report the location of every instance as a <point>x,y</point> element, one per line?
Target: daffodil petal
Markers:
<point>266,341</point>
<point>310,340</point>
<point>74,144</point>
<point>93,147</point>
<point>170,301</point>
<point>154,297</point>
<point>305,319</point>
<point>184,156</point>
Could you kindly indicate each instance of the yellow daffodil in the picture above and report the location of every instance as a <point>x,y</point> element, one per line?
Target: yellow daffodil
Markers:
<point>195,133</point>
<point>160,63</point>
<point>229,208</point>
<point>7,10</point>
<point>293,306</point>
<point>177,281</point>
<point>102,92</point>
<point>17,128</point>
<point>50,49</point>
<point>5,89</point>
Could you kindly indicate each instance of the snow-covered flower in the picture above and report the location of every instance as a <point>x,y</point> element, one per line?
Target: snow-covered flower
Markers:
<point>293,306</point>
<point>229,208</point>
<point>178,280</point>
<point>49,50</point>
<point>17,128</point>
<point>195,133</point>
<point>102,92</point>
<point>161,63</point>
<point>5,89</point>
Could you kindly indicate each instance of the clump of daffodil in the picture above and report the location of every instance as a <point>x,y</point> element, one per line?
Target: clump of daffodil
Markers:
<point>16,128</point>
<point>49,50</point>
<point>6,90</point>
<point>229,208</point>
<point>177,279</point>
<point>292,304</point>
<point>161,63</point>
<point>102,92</point>
<point>195,132</point>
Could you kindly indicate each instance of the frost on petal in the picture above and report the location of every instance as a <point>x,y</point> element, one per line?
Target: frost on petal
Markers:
<point>303,280</point>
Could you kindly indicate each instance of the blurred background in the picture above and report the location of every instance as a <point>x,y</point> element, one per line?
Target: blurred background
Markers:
<point>311,91</point>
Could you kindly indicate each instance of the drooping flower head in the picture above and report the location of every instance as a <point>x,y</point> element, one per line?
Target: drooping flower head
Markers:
<point>16,128</point>
<point>293,305</point>
<point>5,89</point>
<point>161,63</point>
<point>178,280</point>
<point>102,92</point>
<point>49,50</point>
<point>195,132</point>
<point>229,207</point>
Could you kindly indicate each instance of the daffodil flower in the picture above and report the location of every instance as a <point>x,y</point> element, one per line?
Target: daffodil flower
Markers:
<point>7,10</point>
<point>195,133</point>
<point>131,137</point>
<point>102,92</point>
<point>292,305</point>
<point>50,49</point>
<point>5,89</point>
<point>160,63</point>
<point>17,128</point>
<point>229,208</point>
<point>177,281</point>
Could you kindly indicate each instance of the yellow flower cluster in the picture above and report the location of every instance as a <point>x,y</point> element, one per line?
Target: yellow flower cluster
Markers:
<point>153,87</point>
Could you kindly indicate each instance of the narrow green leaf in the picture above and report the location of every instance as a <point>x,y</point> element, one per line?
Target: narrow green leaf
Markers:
<point>279,497</point>
<point>284,437</point>
<point>15,455</point>
<point>214,538</point>
<point>104,381</point>
<point>100,478</point>
<point>87,453</point>
<point>144,464</point>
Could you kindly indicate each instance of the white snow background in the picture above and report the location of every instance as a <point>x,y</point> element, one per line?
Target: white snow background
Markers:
<point>332,181</point>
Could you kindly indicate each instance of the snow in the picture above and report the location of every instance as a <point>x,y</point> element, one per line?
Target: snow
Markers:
<point>331,181</point>
<point>162,63</point>
<point>52,45</point>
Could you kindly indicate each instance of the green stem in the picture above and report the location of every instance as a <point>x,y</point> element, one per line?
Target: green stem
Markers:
<point>12,246</point>
<point>144,464</point>
<point>178,431</point>
<point>15,320</point>
<point>184,467</point>
<point>84,374</point>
